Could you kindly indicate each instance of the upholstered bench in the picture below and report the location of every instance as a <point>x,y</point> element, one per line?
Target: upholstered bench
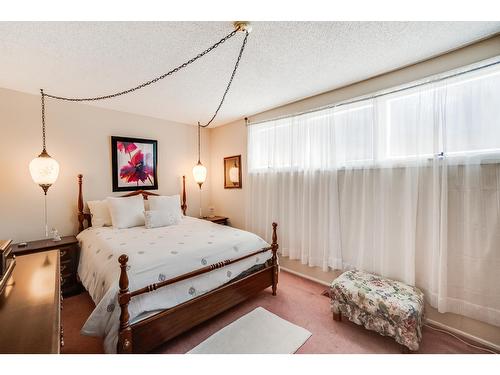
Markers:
<point>388,307</point>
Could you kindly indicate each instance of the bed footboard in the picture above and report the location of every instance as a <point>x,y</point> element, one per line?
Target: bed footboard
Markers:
<point>151,332</point>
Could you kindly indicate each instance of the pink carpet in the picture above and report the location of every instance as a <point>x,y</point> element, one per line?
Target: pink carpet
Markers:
<point>298,301</point>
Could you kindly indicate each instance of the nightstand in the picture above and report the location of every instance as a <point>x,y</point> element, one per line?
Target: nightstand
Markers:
<point>217,219</point>
<point>69,252</point>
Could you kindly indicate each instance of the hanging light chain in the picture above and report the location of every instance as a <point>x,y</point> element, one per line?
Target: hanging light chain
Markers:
<point>43,121</point>
<point>230,81</point>
<point>154,80</point>
<point>199,144</point>
<point>142,85</point>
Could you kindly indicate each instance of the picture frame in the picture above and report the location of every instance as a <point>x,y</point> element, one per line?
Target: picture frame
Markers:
<point>232,172</point>
<point>134,163</point>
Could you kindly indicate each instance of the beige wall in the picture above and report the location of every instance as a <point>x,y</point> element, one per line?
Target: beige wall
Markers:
<point>228,140</point>
<point>78,137</point>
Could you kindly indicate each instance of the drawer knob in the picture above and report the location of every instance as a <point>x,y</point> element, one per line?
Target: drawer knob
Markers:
<point>63,253</point>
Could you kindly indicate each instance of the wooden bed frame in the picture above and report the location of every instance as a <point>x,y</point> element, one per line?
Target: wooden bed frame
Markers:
<point>147,334</point>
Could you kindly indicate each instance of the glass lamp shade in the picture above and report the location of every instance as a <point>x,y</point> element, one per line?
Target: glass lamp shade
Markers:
<point>234,175</point>
<point>199,173</point>
<point>44,169</point>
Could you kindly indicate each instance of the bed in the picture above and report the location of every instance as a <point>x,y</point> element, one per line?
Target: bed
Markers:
<point>150,285</point>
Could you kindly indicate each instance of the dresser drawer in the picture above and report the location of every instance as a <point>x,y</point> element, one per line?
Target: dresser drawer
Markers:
<point>66,253</point>
<point>69,256</point>
<point>66,281</point>
<point>67,266</point>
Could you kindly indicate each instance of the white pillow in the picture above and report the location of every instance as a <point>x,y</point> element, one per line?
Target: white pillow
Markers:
<point>99,212</point>
<point>155,219</point>
<point>170,204</point>
<point>126,212</point>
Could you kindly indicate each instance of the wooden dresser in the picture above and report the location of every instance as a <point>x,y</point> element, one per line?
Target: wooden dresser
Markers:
<point>30,306</point>
<point>70,255</point>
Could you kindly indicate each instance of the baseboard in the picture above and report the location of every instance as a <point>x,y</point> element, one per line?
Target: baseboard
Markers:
<point>456,331</point>
<point>464,335</point>
<point>304,276</point>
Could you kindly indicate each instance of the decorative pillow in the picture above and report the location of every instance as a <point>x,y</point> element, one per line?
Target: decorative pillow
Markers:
<point>126,212</point>
<point>155,219</point>
<point>100,213</point>
<point>170,204</point>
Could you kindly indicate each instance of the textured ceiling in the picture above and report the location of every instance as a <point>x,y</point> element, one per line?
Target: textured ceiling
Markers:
<point>283,61</point>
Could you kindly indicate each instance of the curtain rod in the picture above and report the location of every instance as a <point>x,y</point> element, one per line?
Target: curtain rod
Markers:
<point>381,93</point>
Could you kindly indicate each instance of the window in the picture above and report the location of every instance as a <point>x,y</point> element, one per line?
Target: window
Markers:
<point>456,117</point>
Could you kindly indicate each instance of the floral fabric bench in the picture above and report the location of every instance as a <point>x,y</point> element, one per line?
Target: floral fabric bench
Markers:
<point>388,307</point>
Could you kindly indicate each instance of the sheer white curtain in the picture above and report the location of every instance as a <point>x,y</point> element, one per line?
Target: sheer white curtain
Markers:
<point>406,185</point>
<point>291,181</point>
<point>469,259</point>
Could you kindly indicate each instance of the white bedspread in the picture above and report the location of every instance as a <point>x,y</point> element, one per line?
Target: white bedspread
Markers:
<point>156,255</point>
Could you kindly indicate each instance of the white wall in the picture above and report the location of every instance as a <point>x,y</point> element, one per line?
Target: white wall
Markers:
<point>78,137</point>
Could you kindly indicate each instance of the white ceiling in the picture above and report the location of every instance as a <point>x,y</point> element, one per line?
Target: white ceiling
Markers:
<point>283,61</point>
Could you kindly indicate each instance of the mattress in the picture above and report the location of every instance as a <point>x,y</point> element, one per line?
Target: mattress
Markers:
<point>155,255</point>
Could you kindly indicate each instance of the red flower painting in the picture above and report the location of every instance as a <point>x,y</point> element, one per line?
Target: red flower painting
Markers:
<point>134,163</point>
<point>137,169</point>
<point>126,147</point>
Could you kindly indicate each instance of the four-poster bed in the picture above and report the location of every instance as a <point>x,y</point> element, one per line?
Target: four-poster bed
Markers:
<point>144,335</point>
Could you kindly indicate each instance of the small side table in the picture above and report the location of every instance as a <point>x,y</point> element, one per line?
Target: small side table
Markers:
<point>217,219</point>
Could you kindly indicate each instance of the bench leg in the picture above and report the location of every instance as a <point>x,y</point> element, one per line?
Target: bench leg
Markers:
<point>337,316</point>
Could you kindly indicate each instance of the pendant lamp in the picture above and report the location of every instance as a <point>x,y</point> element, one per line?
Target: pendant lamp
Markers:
<point>199,170</point>
<point>44,169</point>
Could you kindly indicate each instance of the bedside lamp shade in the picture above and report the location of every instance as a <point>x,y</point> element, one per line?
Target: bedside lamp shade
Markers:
<point>199,173</point>
<point>199,170</point>
<point>44,170</point>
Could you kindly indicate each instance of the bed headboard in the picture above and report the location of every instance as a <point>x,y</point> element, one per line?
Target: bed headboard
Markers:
<point>86,217</point>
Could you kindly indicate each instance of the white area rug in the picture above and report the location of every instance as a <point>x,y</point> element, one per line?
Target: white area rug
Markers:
<point>258,332</point>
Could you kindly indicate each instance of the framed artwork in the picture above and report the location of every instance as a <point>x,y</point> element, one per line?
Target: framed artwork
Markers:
<point>134,164</point>
<point>232,172</point>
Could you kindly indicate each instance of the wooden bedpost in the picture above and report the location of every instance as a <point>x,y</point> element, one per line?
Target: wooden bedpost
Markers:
<point>183,204</point>
<point>125,332</point>
<point>274,248</point>
<point>81,216</point>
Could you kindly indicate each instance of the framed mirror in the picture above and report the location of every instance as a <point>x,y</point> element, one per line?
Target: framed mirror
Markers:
<point>232,172</point>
